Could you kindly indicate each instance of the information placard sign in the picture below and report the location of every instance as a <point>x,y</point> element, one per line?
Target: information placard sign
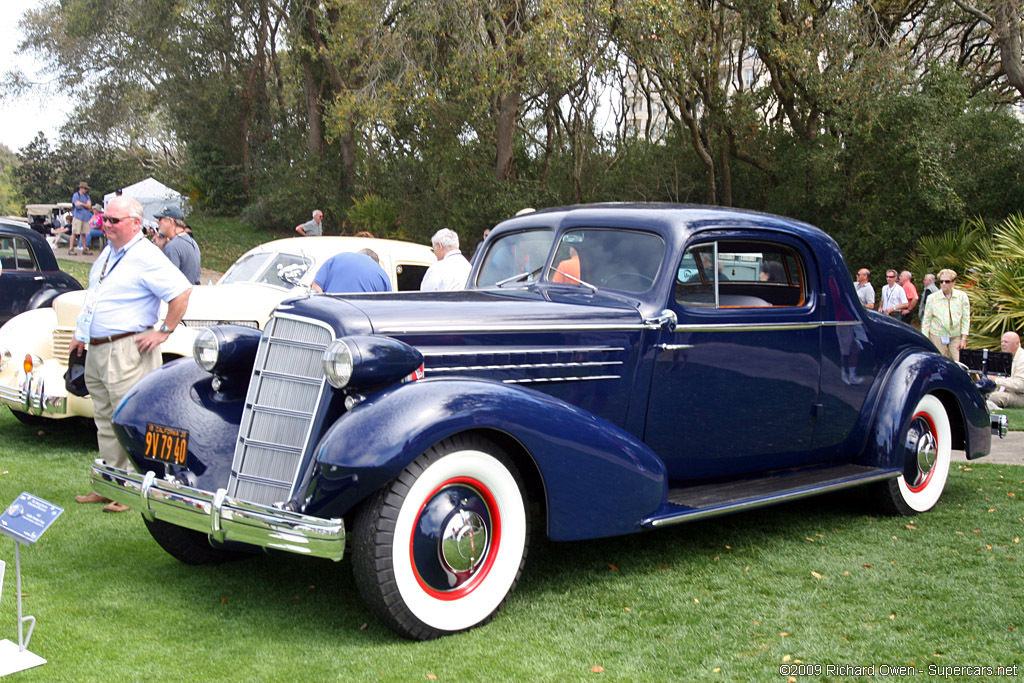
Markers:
<point>28,517</point>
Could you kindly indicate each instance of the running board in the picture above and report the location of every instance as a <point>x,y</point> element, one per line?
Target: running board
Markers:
<point>710,500</point>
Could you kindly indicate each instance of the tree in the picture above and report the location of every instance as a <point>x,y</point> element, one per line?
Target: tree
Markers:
<point>12,203</point>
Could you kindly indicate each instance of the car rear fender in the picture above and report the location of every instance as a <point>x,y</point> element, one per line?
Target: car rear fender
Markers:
<point>598,480</point>
<point>911,377</point>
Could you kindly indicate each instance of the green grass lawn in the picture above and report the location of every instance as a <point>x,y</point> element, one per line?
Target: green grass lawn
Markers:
<point>1015,418</point>
<point>819,582</point>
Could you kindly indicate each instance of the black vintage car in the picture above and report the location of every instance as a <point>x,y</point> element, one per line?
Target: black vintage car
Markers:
<point>31,277</point>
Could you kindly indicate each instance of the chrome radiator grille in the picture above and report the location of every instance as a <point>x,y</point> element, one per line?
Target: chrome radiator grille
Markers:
<point>286,388</point>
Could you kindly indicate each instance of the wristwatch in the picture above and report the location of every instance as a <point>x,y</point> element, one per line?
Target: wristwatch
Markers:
<point>165,329</point>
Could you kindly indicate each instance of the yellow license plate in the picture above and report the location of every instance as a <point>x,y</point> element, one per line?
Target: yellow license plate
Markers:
<point>166,443</point>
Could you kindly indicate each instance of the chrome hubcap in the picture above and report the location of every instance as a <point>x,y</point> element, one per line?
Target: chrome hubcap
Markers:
<point>454,538</point>
<point>926,452</point>
<point>464,543</point>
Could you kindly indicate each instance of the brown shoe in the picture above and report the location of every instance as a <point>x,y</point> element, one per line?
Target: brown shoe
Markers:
<point>91,498</point>
<point>114,506</point>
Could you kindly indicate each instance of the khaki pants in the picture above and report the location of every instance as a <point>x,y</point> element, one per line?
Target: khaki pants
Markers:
<point>110,371</point>
<point>1007,399</point>
<point>950,350</point>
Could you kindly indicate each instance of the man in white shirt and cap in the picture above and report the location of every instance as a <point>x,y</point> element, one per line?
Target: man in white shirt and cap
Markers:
<point>452,269</point>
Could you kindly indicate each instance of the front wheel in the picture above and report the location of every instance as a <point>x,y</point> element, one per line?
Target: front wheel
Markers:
<point>186,545</point>
<point>927,446</point>
<point>438,549</point>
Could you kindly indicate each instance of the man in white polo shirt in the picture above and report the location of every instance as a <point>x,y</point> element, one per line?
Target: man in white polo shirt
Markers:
<point>127,282</point>
<point>452,269</point>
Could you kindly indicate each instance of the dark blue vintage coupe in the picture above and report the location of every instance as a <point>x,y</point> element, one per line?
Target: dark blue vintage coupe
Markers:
<point>611,369</point>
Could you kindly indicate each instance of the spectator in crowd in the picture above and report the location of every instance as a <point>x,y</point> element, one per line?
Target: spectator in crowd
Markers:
<point>95,227</point>
<point>568,270</point>
<point>911,291</point>
<point>894,297</point>
<point>865,292</point>
<point>56,231</point>
<point>452,269</point>
<point>117,320</point>
<point>947,317</point>
<point>928,288</point>
<point>179,247</point>
<point>314,227</point>
<point>81,213</point>
<point>352,272</point>
<point>1009,391</point>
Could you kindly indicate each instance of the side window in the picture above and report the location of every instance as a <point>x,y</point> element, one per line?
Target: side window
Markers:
<point>7,253</point>
<point>741,274</point>
<point>25,259</point>
<point>409,276</point>
<point>16,254</point>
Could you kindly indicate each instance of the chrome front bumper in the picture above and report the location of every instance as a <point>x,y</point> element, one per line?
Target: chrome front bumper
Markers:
<point>31,397</point>
<point>999,424</point>
<point>223,518</point>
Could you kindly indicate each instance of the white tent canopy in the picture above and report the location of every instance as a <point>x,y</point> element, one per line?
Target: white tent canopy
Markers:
<point>152,194</point>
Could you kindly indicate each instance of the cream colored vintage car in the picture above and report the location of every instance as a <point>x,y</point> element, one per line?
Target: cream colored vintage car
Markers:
<point>34,345</point>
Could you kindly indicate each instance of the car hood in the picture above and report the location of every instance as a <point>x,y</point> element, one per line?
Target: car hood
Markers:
<point>416,313</point>
<point>207,305</point>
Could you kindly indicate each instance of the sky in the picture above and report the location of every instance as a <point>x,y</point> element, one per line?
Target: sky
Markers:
<point>21,119</point>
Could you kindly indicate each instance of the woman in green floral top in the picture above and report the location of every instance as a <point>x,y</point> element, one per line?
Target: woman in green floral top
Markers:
<point>947,317</point>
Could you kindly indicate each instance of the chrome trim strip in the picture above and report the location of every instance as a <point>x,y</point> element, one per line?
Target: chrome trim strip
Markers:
<point>523,366</point>
<point>690,515</point>
<point>544,380</point>
<point>674,347</point>
<point>512,349</point>
<point>763,327</point>
<point>536,327</point>
<point>589,327</point>
<point>221,516</point>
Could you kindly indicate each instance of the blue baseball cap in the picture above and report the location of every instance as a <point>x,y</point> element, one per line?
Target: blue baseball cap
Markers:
<point>172,212</point>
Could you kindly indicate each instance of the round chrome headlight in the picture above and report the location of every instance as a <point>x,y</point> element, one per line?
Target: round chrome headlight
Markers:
<point>338,364</point>
<point>206,349</point>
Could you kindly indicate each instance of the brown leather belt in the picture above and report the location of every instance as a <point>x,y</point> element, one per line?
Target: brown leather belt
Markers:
<point>114,337</point>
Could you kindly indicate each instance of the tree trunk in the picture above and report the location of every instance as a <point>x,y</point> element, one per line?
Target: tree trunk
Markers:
<point>1008,38</point>
<point>508,113</point>
<point>314,114</point>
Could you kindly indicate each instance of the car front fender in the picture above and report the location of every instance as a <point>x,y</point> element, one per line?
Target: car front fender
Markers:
<point>909,379</point>
<point>598,479</point>
<point>180,395</point>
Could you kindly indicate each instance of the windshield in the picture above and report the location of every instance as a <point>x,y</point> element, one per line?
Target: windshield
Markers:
<point>265,268</point>
<point>515,258</point>
<point>626,260</point>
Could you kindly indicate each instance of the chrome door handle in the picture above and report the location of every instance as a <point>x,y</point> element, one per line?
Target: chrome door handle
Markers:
<point>674,347</point>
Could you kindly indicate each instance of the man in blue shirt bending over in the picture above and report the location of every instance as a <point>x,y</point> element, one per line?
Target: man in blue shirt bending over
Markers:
<point>352,272</point>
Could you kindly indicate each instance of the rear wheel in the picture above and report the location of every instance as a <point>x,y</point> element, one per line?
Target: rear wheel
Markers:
<point>186,545</point>
<point>439,549</point>
<point>927,446</point>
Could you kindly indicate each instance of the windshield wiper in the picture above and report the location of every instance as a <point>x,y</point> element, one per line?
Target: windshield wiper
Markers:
<point>576,279</point>
<point>518,277</point>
